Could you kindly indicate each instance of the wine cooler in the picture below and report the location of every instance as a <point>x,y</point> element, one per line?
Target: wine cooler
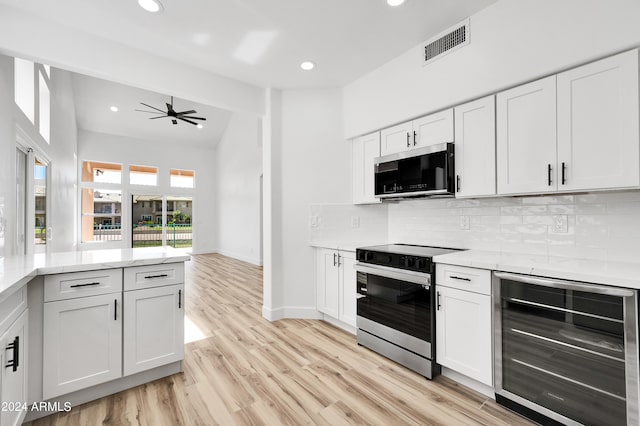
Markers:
<point>566,352</point>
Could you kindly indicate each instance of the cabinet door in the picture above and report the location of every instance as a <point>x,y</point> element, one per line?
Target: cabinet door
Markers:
<point>365,150</point>
<point>526,138</point>
<point>598,124</point>
<point>463,333</point>
<point>14,383</point>
<point>82,343</point>
<point>396,139</point>
<point>475,148</point>
<point>433,129</point>
<point>153,327</point>
<point>327,282</point>
<point>348,294</point>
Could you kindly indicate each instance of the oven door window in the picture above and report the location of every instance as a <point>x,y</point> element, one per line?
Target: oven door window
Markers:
<point>400,305</point>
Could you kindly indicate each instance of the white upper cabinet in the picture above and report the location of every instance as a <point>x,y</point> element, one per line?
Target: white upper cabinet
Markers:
<point>425,131</point>
<point>598,124</point>
<point>433,129</point>
<point>396,139</point>
<point>365,150</point>
<point>475,148</point>
<point>526,138</point>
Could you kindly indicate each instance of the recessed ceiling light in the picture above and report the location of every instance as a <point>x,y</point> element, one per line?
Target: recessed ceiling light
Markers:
<point>199,126</point>
<point>307,65</point>
<point>395,2</point>
<point>152,6</point>
<point>114,108</point>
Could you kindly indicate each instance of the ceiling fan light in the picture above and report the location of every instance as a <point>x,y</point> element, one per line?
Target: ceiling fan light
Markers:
<point>153,6</point>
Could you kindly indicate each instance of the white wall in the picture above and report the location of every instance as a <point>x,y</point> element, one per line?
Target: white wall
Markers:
<point>310,164</point>
<point>238,186</point>
<point>512,41</point>
<point>127,151</point>
<point>61,152</point>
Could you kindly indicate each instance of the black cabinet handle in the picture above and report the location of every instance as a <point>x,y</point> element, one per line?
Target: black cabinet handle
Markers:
<point>459,278</point>
<point>148,277</point>
<point>549,173</point>
<point>457,183</point>
<point>438,301</point>
<point>115,309</point>
<point>179,299</point>
<point>564,167</point>
<point>338,259</point>
<point>408,143</point>
<point>414,138</point>
<point>83,285</point>
<point>15,346</point>
<point>334,259</point>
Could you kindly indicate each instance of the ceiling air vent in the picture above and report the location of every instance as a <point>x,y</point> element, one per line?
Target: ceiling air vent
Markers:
<point>446,42</point>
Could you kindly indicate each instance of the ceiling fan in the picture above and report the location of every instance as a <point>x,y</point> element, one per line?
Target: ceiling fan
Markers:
<point>170,112</point>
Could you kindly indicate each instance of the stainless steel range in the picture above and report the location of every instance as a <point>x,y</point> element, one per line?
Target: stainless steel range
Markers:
<point>396,304</point>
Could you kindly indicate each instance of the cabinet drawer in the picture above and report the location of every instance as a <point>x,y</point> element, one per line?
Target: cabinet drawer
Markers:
<point>11,307</point>
<point>138,277</point>
<point>81,284</point>
<point>463,278</point>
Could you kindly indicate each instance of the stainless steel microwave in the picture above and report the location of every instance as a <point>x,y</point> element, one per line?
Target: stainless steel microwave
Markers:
<point>421,172</point>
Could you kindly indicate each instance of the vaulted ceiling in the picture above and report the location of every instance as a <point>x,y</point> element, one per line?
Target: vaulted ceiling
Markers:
<point>264,41</point>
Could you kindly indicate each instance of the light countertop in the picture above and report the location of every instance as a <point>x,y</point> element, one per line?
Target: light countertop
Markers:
<point>619,274</point>
<point>16,271</point>
<point>344,245</point>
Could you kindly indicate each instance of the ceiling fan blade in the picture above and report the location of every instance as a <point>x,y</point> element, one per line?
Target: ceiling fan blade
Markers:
<point>191,111</point>
<point>150,112</point>
<point>152,107</point>
<point>193,118</point>
<point>174,121</point>
<point>155,118</point>
<point>188,121</point>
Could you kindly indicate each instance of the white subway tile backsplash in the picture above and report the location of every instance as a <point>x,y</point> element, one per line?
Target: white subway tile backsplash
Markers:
<point>604,225</point>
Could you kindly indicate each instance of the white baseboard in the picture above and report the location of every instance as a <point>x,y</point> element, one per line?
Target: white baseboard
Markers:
<point>346,327</point>
<point>469,382</point>
<point>252,260</point>
<point>290,312</point>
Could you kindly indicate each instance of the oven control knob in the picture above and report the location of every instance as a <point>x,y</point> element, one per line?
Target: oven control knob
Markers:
<point>368,255</point>
<point>409,261</point>
<point>422,264</point>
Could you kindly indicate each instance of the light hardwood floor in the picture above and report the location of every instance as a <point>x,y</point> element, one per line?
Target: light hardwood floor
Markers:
<point>251,371</point>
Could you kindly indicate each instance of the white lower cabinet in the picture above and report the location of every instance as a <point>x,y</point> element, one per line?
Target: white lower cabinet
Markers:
<point>154,327</point>
<point>82,343</point>
<point>336,284</point>
<point>14,378</point>
<point>464,336</point>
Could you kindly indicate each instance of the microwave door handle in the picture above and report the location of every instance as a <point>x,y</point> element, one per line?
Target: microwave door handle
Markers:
<point>566,285</point>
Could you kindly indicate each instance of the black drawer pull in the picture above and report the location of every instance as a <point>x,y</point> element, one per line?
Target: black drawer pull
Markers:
<point>15,346</point>
<point>453,277</point>
<point>83,285</point>
<point>148,277</point>
<point>115,309</point>
<point>179,299</point>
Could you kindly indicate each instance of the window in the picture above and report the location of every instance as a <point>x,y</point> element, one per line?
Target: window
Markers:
<point>181,178</point>
<point>101,215</point>
<point>44,106</point>
<point>147,221</point>
<point>93,171</point>
<point>24,87</point>
<point>40,193</point>
<point>143,175</point>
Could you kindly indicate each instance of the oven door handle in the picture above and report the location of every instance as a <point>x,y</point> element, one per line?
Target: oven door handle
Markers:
<point>413,277</point>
